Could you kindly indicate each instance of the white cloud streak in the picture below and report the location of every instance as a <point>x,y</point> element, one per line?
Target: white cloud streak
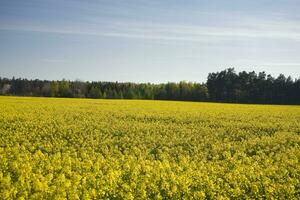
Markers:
<point>53,60</point>
<point>292,63</point>
<point>170,32</point>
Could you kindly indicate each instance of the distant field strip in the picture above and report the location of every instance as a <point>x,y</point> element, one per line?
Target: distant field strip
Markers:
<point>133,149</point>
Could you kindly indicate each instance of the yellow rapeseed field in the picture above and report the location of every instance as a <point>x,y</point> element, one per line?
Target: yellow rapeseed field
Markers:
<point>134,149</point>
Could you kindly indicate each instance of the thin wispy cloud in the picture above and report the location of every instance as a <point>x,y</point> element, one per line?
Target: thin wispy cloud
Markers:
<point>54,60</point>
<point>184,23</point>
<point>282,64</point>
<point>174,32</point>
<point>267,63</point>
<point>157,37</point>
<point>263,65</point>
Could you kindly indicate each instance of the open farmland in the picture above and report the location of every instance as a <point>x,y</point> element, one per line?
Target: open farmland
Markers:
<point>124,149</point>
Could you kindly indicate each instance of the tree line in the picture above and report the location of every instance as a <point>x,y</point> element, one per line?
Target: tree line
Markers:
<point>224,86</point>
<point>250,87</point>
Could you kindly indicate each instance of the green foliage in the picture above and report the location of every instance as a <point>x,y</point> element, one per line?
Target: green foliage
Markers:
<point>64,89</point>
<point>54,88</point>
<point>95,93</point>
<point>224,86</point>
<point>118,149</point>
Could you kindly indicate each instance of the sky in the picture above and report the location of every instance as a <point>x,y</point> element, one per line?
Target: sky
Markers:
<point>147,40</point>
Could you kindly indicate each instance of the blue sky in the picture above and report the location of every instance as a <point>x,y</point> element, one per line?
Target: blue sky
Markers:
<point>147,41</point>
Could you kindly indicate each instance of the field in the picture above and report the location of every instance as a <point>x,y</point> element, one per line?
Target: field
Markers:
<point>124,149</point>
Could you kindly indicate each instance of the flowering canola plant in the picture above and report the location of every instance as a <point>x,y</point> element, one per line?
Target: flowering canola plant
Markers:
<point>134,149</point>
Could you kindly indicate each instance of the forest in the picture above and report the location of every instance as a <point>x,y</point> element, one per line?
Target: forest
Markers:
<point>226,86</point>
